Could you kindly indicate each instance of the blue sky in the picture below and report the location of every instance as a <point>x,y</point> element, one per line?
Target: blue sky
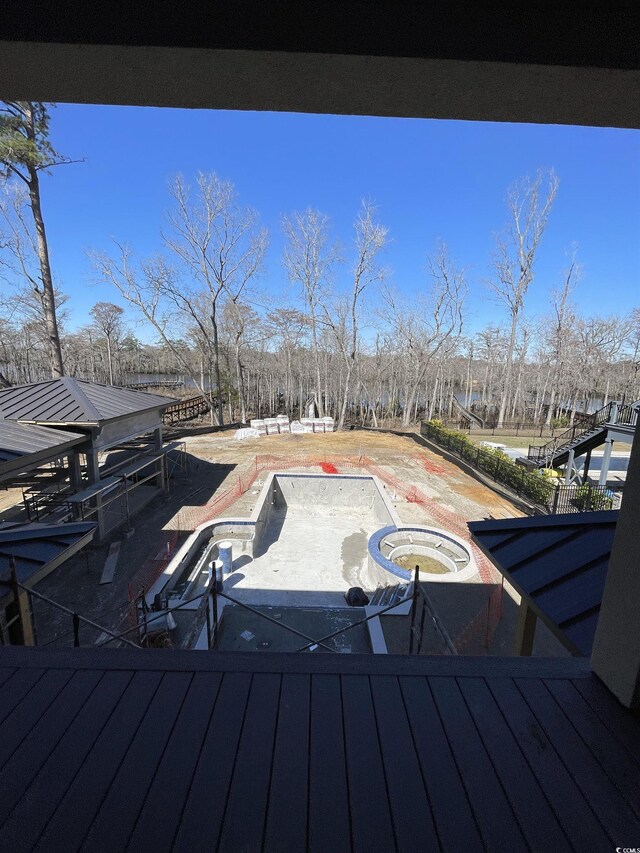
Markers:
<point>430,180</point>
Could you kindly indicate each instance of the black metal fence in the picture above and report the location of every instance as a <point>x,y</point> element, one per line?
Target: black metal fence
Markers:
<point>553,496</point>
<point>584,497</point>
<point>526,429</point>
<point>528,485</point>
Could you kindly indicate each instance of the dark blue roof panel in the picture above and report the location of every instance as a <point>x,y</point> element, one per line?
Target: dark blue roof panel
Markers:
<point>558,563</point>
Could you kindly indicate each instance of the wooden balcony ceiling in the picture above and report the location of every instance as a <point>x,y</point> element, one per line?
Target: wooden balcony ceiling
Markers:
<point>159,751</point>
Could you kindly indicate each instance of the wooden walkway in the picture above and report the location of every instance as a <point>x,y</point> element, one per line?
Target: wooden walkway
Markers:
<point>185,410</point>
<point>172,751</point>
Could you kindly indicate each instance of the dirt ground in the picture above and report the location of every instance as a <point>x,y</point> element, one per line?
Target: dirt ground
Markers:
<point>213,464</point>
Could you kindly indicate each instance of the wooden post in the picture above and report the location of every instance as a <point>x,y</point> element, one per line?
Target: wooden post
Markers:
<point>526,630</point>
<point>25,630</point>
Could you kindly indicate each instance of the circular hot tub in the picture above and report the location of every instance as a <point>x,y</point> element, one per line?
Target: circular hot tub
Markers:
<point>429,560</point>
<point>441,556</point>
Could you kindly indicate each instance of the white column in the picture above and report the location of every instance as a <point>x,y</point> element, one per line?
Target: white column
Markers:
<point>606,459</point>
<point>616,649</point>
<point>568,470</point>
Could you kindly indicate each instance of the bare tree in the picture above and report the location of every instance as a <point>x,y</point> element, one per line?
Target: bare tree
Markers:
<point>309,259</point>
<point>562,316</point>
<point>150,288</point>
<point>370,239</point>
<point>221,246</point>
<point>25,151</point>
<point>107,318</point>
<point>221,249</point>
<point>428,324</point>
<point>529,203</point>
<point>289,326</point>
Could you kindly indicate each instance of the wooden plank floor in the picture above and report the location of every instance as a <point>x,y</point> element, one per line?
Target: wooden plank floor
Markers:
<point>169,751</point>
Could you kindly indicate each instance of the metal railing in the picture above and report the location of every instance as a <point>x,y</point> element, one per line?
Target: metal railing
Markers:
<point>421,606</point>
<point>208,616</point>
<point>613,413</point>
<point>76,618</point>
<point>209,613</point>
<point>584,497</point>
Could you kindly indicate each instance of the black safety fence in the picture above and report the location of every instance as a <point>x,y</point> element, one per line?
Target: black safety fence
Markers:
<point>533,486</point>
<point>547,492</point>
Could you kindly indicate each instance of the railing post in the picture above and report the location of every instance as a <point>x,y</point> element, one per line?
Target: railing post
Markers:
<point>414,607</point>
<point>214,597</point>
<point>207,617</point>
<point>556,496</point>
<point>76,630</point>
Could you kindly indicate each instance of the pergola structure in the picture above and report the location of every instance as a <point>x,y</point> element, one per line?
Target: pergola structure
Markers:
<point>26,447</point>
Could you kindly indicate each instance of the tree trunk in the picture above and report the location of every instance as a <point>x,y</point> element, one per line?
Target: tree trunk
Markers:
<point>47,297</point>
<point>316,359</point>
<point>241,391</point>
<point>506,391</point>
<point>216,363</point>
<point>109,360</point>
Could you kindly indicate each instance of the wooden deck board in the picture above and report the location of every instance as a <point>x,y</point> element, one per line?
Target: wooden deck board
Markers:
<point>6,674</point>
<point>372,827</point>
<point>415,829</point>
<point>622,724</point>
<point>532,809</point>
<point>203,812</point>
<point>171,783</point>
<point>21,683</point>
<point>457,828</point>
<point>573,812</point>
<point>25,715</point>
<point>493,812</point>
<point>244,819</point>
<point>23,766</point>
<point>287,810</point>
<point>81,801</point>
<point>613,758</point>
<point>111,828</point>
<point>329,814</point>
<point>289,752</point>
<point>613,813</point>
<point>29,815</point>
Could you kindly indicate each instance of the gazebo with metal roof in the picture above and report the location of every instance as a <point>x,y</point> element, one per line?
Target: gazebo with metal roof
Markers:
<point>24,447</point>
<point>96,417</point>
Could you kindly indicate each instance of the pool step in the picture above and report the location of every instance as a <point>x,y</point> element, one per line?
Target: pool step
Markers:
<point>385,596</point>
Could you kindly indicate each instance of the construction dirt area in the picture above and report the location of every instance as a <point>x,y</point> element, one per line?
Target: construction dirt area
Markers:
<point>219,476</point>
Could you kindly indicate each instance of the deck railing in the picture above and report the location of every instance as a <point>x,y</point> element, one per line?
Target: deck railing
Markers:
<point>185,410</point>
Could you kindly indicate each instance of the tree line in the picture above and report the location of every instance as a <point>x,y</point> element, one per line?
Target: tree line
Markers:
<point>365,352</point>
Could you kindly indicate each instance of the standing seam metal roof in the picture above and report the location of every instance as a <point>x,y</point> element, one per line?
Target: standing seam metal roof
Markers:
<point>74,401</point>
<point>558,563</point>
<point>20,440</point>
<point>33,546</point>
